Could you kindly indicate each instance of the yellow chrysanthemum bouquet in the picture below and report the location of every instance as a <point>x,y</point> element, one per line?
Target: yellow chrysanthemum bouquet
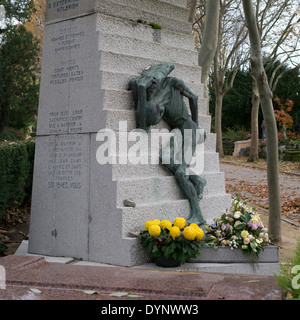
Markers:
<point>171,244</point>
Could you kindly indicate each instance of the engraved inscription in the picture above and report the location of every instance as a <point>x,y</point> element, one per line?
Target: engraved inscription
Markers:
<point>67,70</point>
<point>67,39</point>
<point>70,74</point>
<point>65,122</point>
<point>66,73</point>
<point>58,10</point>
<point>63,5</point>
<point>64,162</point>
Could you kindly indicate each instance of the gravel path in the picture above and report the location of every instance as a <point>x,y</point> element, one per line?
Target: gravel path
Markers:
<point>252,184</point>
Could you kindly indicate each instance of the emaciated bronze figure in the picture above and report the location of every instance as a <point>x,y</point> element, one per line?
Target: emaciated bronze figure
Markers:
<point>156,97</point>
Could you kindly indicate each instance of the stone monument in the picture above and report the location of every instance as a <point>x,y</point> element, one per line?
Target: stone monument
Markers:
<point>92,49</point>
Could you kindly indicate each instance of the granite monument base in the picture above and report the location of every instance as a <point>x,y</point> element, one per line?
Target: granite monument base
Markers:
<point>92,49</point>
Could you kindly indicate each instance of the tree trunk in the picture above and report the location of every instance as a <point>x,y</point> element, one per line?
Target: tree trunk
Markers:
<point>253,156</point>
<point>218,121</point>
<point>270,123</point>
<point>210,40</point>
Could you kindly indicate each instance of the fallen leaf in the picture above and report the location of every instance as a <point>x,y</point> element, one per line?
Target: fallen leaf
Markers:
<point>119,294</point>
<point>134,296</point>
<point>35,290</point>
<point>88,291</point>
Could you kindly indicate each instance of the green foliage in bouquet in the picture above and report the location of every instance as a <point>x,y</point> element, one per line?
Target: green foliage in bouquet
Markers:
<point>176,240</point>
<point>289,279</point>
<point>239,227</point>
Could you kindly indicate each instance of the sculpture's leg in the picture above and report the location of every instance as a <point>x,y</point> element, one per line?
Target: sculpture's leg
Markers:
<point>199,184</point>
<point>191,194</point>
<point>189,148</point>
<point>191,186</point>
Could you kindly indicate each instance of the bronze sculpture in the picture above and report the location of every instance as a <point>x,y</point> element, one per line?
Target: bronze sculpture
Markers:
<point>157,96</point>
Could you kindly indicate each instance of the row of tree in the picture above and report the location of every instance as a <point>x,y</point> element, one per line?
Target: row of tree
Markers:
<point>259,32</point>
<point>278,27</point>
<point>237,106</point>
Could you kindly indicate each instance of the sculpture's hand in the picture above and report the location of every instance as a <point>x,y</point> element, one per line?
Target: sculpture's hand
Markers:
<point>162,110</point>
<point>144,82</point>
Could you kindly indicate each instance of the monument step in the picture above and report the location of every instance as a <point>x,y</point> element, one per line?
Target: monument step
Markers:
<point>122,100</point>
<point>222,260</point>
<point>132,29</point>
<point>120,81</point>
<point>168,16</point>
<point>154,143</point>
<point>114,116</point>
<point>134,218</point>
<point>119,62</point>
<point>156,7</point>
<point>160,188</point>
<point>228,255</point>
<point>178,3</point>
<point>226,260</point>
<point>266,269</point>
<point>150,50</point>
<point>162,8</point>
<point>128,169</point>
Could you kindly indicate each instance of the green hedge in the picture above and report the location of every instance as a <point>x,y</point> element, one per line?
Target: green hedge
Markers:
<point>16,173</point>
<point>230,136</point>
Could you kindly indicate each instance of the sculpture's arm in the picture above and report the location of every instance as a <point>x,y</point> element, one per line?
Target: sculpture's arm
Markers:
<point>193,101</point>
<point>187,92</point>
<point>140,87</point>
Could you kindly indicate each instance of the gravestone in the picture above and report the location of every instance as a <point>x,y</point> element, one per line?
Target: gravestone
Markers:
<point>92,49</point>
<point>240,147</point>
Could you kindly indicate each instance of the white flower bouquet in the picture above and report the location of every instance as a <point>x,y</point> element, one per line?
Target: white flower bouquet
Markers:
<point>239,227</point>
